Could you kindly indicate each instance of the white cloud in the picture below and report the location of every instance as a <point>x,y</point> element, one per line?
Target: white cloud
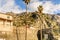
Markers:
<point>9,6</point>
<point>48,6</point>
<point>33,6</point>
<point>34,0</point>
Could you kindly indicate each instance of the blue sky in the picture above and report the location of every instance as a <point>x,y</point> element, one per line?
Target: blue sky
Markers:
<point>18,6</point>
<point>22,5</point>
<point>56,1</point>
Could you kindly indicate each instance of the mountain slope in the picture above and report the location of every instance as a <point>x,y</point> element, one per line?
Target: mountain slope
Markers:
<point>32,18</point>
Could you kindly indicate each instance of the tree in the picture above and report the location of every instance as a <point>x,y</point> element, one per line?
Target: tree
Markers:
<point>26,1</point>
<point>40,9</point>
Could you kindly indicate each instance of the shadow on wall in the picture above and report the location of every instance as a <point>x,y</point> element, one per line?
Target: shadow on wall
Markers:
<point>50,35</point>
<point>39,35</point>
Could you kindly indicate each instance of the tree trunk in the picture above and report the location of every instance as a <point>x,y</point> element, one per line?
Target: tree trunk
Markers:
<point>17,33</point>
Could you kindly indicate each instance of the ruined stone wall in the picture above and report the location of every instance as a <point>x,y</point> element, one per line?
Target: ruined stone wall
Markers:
<point>31,34</point>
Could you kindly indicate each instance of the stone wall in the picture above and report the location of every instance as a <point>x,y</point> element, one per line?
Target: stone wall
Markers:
<point>31,33</point>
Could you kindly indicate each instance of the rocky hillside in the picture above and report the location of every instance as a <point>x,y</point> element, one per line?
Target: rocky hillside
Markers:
<point>36,19</point>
